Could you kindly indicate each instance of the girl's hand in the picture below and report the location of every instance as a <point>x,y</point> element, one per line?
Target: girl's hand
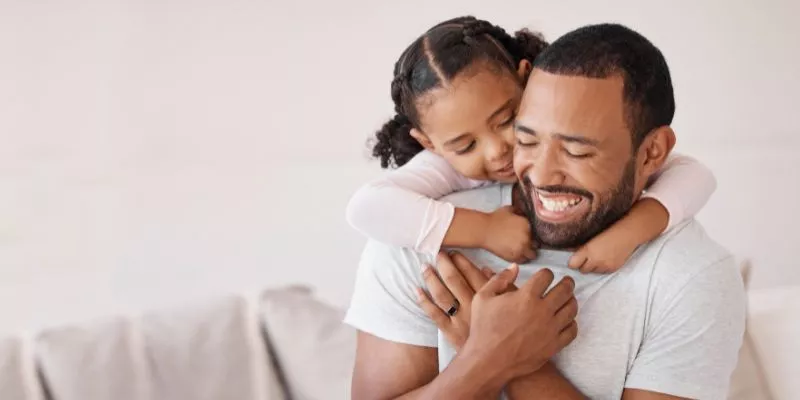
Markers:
<point>508,235</point>
<point>605,253</point>
<point>608,251</point>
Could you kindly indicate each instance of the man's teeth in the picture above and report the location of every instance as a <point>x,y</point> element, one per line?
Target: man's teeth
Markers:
<point>558,205</point>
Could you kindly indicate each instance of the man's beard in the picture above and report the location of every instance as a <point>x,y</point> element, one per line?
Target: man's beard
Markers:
<point>613,205</point>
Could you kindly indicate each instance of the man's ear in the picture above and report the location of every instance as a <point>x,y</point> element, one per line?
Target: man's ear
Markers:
<point>655,149</point>
<point>422,139</point>
<point>524,70</point>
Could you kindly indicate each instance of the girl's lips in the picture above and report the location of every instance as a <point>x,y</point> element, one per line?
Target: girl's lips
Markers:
<point>506,171</point>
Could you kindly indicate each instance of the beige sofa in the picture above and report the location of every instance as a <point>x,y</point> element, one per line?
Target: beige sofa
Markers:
<point>221,349</point>
<point>285,344</point>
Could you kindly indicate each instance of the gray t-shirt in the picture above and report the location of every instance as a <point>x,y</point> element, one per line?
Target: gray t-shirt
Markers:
<point>670,321</point>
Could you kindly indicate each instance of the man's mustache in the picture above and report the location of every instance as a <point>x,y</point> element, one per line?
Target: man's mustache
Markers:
<point>554,189</point>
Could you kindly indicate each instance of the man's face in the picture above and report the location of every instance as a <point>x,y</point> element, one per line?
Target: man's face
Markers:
<point>574,157</point>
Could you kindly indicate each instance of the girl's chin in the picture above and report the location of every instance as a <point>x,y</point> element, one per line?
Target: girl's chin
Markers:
<point>505,179</point>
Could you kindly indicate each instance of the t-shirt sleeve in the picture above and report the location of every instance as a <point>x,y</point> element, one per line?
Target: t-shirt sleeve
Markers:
<point>384,301</point>
<point>692,339</point>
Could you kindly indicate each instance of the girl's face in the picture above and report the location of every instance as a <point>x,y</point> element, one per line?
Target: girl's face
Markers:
<point>470,121</point>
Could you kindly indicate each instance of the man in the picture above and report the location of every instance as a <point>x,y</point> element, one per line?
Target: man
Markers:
<point>592,127</point>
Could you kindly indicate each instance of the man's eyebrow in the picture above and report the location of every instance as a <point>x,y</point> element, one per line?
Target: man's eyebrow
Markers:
<point>574,138</point>
<point>571,138</point>
<point>524,129</point>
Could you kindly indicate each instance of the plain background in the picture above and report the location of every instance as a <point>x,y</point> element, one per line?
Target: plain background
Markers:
<point>152,152</point>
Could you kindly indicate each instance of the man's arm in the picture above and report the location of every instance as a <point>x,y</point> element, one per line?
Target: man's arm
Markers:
<point>390,370</point>
<point>690,347</point>
<point>512,333</point>
<point>692,339</point>
<point>396,353</point>
<point>546,383</point>
<point>638,394</point>
<point>385,369</point>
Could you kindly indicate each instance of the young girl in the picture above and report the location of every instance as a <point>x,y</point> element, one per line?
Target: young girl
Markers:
<point>402,208</point>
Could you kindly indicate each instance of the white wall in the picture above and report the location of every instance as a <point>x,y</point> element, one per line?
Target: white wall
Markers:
<point>153,151</point>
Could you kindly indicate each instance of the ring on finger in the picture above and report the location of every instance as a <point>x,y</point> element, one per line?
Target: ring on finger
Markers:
<point>453,308</point>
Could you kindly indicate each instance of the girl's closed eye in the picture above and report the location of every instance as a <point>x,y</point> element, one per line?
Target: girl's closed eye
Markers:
<point>507,122</point>
<point>466,149</point>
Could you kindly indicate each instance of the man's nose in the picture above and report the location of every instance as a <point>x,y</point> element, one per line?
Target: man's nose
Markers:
<point>546,169</point>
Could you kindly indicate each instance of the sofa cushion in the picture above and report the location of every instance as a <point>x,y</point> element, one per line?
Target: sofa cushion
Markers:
<point>204,351</point>
<point>106,350</point>
<point>315,350</point>
<point>747,381</point>
<point>18,378</point>
<point>774,327</point>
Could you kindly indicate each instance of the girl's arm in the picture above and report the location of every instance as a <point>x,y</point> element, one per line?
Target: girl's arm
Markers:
<point>402,209</point>
<point>677,192</point>
<point>683,186</point>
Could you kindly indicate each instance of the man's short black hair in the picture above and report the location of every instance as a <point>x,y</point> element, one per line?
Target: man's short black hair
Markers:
<point>605,50</point>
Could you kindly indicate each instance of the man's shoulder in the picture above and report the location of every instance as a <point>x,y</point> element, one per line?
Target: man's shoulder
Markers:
<point>689,247</point>
<point>388,263</point>
<point>376,251</point>
<point>485,198</point>
<point>695,312</point>
<point>384,300</point>
<point>687,252</point>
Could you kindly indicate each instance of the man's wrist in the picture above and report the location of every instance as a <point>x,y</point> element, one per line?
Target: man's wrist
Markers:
<point>489,374</point>
<point>547,382</point>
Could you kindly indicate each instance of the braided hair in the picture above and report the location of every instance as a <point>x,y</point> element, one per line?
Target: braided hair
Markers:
<point>435,59</point>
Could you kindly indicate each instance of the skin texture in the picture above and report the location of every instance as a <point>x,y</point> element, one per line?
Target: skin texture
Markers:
<point>573,144</point>
<point>474,131</point>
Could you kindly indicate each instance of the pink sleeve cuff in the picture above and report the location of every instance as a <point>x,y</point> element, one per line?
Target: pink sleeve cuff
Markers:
<point>672,203</point>
<point>438,217</point>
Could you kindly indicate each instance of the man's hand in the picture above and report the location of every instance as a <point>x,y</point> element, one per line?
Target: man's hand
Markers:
<point>456,283</point>
<point>519,330</point>
<point>523,329</point>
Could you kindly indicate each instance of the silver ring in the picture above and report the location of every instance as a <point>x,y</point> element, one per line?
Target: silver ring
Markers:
<point>453,309</point>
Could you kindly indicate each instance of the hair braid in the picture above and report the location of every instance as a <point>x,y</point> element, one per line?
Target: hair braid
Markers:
<point>432,60</point>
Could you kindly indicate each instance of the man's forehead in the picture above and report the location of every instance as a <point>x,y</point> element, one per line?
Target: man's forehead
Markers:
<point>563,103</point>
<point>542,77</point>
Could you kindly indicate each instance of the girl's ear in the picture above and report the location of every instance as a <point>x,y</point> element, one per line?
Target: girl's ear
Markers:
<point>524,69</point>
<point>422,139</point>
